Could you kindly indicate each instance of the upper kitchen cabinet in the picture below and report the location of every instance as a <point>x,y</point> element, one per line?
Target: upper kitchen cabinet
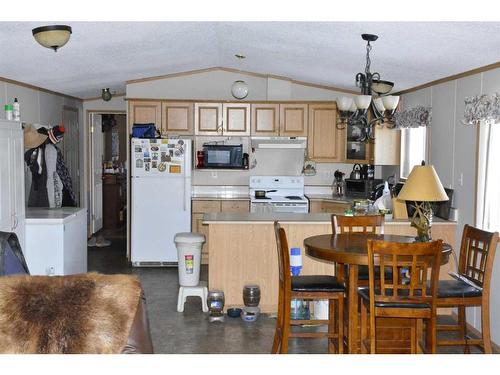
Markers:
<point>208,118</point>
<point>265,119</point>
<point>177,118</point>
<point>356,150</point>
<point>387,146</point>
<point>236,119</point>
<point>325,142</point>
<point>293,120</point>
<point>144,112</point>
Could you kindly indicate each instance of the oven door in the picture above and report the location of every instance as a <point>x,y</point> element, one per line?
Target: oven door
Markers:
<point>261,207</point>
<point>295,207</point>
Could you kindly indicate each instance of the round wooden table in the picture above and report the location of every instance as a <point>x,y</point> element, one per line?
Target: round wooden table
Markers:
<point>351,250</point>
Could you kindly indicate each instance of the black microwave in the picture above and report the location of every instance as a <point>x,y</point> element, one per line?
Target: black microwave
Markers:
<point>361,188</point>
<point>223,156</point>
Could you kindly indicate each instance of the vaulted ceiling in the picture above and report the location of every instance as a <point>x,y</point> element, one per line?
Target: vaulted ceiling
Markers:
<point>106,54</point>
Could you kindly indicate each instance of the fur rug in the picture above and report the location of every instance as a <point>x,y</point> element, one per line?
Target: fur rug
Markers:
<point>88,313</point>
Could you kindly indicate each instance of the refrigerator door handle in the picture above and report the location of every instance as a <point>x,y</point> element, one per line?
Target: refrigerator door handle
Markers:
<point>184,189</point>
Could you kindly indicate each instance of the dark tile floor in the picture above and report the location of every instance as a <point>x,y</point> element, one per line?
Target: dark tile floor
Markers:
<point>190,331</point>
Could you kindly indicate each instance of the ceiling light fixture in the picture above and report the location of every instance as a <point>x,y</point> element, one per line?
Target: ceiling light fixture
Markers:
<point>54,36</point>
<point>239,89</point>
<point>354,112</point>
<point>106,95</point>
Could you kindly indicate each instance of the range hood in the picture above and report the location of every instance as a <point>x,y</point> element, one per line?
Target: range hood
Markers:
<point>279,142</point>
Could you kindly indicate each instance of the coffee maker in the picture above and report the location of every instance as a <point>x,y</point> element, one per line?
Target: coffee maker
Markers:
<point>367,172</point>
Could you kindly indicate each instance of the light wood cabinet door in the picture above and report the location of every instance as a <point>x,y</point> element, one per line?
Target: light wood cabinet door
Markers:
<point>316,207</point>
<point>242,206</point>
<point>177,118</point>
<point>236,118</point>
<point>265,119</point>
<point>387,146</point>
<point>335,207</point>
<point>325,142</point>
<point>208,118</point>
<point>293,120</point>
<point>144,112</point>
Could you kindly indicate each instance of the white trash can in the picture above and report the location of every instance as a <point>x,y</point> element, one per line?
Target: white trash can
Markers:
<point>189,257</point>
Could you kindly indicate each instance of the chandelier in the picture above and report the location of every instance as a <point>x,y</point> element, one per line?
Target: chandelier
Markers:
<point>354,111</point>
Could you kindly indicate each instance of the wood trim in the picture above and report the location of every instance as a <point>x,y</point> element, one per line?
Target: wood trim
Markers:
<point>476,174</point>
<point>451,78</point>
<point>98,97</point>
<point>33,87</point>
<point>253,74</point>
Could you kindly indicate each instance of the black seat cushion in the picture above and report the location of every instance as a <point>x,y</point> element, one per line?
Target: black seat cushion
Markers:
<point>363,273</point>
<point>364,293</point>
<point>316,283</point>
<point>457,288</point>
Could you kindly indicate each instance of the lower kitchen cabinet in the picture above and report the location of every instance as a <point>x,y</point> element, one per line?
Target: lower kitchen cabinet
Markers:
<point>201,207</point>
<point>323,206</point>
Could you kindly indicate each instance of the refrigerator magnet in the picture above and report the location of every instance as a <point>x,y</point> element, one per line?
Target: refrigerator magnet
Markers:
<point>155,148</point>
<point>175,169</point>
<point>139,163</point>
<point>162,167</point>
<point>146,167</point>
<point>154,164</point>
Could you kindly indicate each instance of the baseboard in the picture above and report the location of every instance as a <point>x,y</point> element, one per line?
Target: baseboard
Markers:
<point>476,332</point>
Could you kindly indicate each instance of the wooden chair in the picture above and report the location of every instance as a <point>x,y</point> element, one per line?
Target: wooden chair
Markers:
<point>359,224</point>
<point>471,286</point>
<point>407,294</point>
<point>310,287</point>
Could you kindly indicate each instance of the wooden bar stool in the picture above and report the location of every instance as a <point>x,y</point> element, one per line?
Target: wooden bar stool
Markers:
<point>406,295</point>
<point>310,287</point>
<point>366,224</point>
<point>471,286</point>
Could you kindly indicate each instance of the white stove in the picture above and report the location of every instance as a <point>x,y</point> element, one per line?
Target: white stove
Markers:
<point>283,194</point>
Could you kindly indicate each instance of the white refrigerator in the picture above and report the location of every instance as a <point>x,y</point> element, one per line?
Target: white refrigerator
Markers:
<point>161,199</point>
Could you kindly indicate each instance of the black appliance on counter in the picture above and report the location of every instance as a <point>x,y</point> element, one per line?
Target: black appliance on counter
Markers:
<point>223,156</point>
<point>361,188</point>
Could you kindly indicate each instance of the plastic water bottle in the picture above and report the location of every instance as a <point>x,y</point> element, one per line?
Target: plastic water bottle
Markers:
<point>299,308</point>
<point>16,110</point>
<point>295,261</point>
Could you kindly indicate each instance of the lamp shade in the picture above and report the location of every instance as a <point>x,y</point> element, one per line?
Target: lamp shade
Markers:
<point>382,87</point>
<point>378,104</point>
<point>54,36</point>
<point>362,101</point>
<point>390,102</point>
<point>344,103</point>
<point>423,185</point>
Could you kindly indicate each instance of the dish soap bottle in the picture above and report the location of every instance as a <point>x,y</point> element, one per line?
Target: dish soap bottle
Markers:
<point>16,109</point>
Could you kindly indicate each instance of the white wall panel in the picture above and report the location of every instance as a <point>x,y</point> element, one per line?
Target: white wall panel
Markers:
<point>28,100</point>
<point>442,131</point>
<point>50,109</point>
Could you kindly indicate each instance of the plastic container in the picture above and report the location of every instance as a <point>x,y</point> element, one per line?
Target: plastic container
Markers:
<point>189,257</point>
<point>251,295</point>
<point>9,111</point>
<point>320,309</point>
<point>250,314</point>
<point>299,310</point>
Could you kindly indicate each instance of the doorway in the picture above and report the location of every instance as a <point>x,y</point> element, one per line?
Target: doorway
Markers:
<point>107,184</point>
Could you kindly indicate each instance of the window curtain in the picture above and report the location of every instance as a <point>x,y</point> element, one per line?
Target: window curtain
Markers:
<point>488,184</point>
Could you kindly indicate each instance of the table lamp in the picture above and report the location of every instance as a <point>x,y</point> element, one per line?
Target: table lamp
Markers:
<point>422,186</point>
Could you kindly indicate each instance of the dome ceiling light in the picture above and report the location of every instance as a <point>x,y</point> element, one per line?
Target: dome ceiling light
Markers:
<point>354,111</point>
<point>54,36</point>
<point>239,88</point>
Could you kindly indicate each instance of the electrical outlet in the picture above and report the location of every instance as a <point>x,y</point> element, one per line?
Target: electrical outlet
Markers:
<point>214,174</point>
<point>461,179</point>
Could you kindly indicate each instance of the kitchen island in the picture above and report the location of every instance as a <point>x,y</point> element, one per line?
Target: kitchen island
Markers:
<point>242,249</point>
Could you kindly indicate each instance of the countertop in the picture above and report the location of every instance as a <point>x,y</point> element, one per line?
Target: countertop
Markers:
<point>40,215</point>
<point>209,197</point>
<point>330,198</point>
<point>266,218</point>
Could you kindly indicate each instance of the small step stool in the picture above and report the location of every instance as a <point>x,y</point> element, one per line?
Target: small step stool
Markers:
<point>199,290</point>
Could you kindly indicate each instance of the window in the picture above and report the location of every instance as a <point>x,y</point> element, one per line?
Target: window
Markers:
<point>488,174</point>
<point>413,149</point>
